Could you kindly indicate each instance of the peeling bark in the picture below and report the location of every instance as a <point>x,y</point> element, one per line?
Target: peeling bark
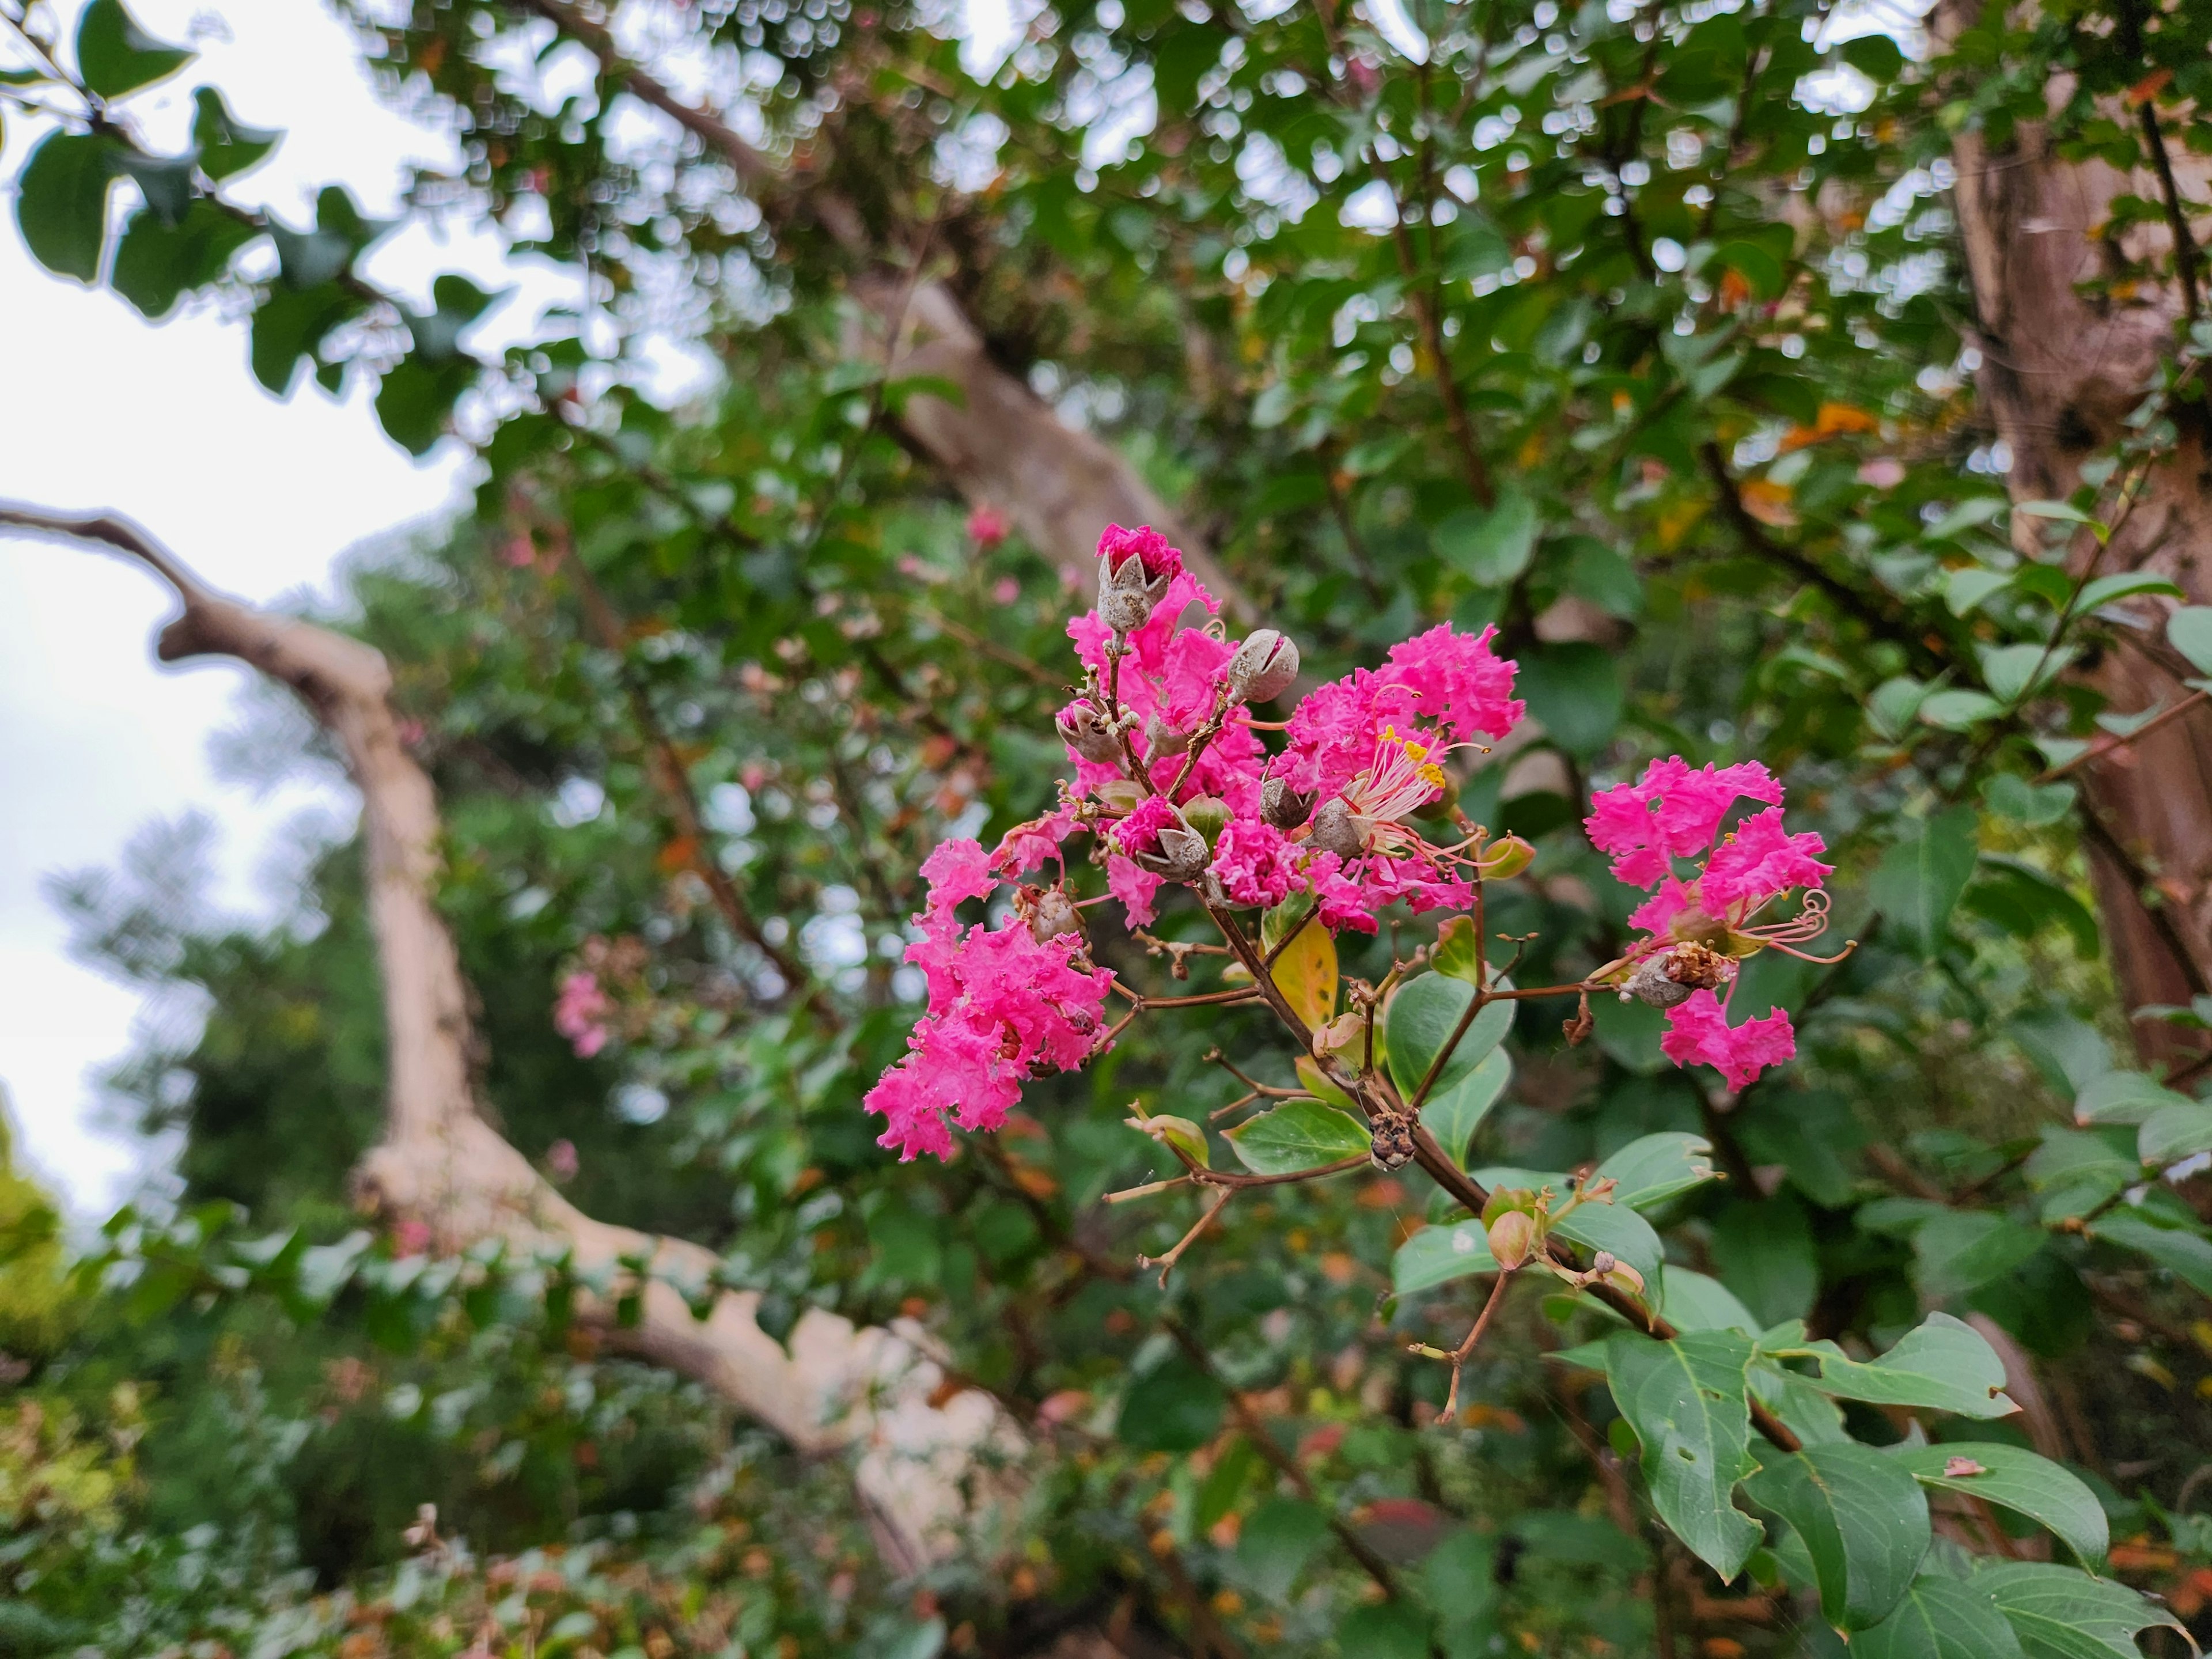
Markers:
<point>923,1464</point>
<point>2060,373</point>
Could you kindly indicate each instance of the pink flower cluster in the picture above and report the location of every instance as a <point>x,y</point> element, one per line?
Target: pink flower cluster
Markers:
<point>580,1014</point>
<point>1671,818</point>
<point>1004,1004</point>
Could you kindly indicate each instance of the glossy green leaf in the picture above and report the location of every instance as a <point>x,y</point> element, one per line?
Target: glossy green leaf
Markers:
<point>1276,1541</point>
<point>1655,1168</point>
<point>1863,1518</point>
<point>2016,1478</point>
<point>1943,1362</point>
<point>1685,1399</point>
<point>1298,1134</point>
<point>2173,1133</point>
<point>1453,1114</point>
<point>1492,546</point>
<point>1940,1618</point>
<point>1420,1019</point>
<point>1920,879</point>
<point>2124,585</point>
<point>1962,1250</point>
<point>223,145</point>
<point>156,265</point>
<point>1693,1302</point>
<point>2124,1097</point>
<point>115,56</point>
<point>2184,1252</point>
<point>2188,630</point>
<point>61,202</point>
<point>1437,1255</point>
<point>2060,1613</point>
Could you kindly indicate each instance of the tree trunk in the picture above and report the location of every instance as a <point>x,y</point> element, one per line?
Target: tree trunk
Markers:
<point>2060,373</point>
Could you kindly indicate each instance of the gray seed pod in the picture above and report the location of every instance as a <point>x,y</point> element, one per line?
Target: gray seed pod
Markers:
<point>1053,913</point>
<point>1651,983</point>
<point>1263,667</point>
<point>1161,739</point>
<point>1181,855</point>
<point>1126,598</point>
<point>1283,806</point>
<point>1337,828</point>
<point>1089,734</point>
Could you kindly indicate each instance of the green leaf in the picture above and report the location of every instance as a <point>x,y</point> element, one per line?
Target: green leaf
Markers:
<point>1385,1630</point>
<point>1962,1250</point>
<point>1955,711</point>
<point>1176,1131</point>
<point>2125,585</point>
<point>1276,1541</point>
<point>2013,671</point>
<point>1298,1134</point>
<point>1458,953</point>
<point>1943,1362</point>
<point>155,263</point>
<point>1694,1303</point>
<point>1763,1252</point>
<point>61,202</point>
<point>1437,1255</point>
<point>1576,691</point>
<point>115,56</point>
<point>2058,1613</point>
<point>1685,1399</point>
<point>291,324</point>
<point>1174,1407</point>
<point>2188,630</point>
<point>1655,1168</point>
<point>1862,1519</point>
<point>2018,1479</point>
<point>2186,1254</point>
<point>417,397</point>
<point>1894,704</point>
<point>1616,1228</point>
<point>1919,880</point>
<point>1940,1618</point>
<point>1418,1020</point>
<point>1453,1114</point>
<point>2073,1172</point>
<point>1492,546</point>
<point>1460,1577</point>
<point>1966,589</point>
<point>457,302</point>
<point>224,146</point>
<point>309,258</point>
<point>2173,1133</point>
<point>1755,265</point>
<point>2124,1097</point>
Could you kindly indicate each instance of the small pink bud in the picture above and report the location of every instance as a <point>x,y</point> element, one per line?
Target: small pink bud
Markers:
<point>987,527</point>
<point>1883,472</point>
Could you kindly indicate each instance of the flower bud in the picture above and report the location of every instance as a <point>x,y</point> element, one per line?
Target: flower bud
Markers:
<point>1208,815</point>
<point>1337,828</point>
<point>1283,806</point>
<point>1121,795</point>
<point>1502,859</point>
<point>1263,667</point>
<point>1088,733</point>
<point>1161,739</point>
<point>1512,1238</point>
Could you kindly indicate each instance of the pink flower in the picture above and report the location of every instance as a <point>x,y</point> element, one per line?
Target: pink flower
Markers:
<point>411,1236</point>
<point>1005,591</point>
<point>1759,861</point>
<point>1139,832</point>
<point>1027,847</point>
<point>1443,687</point>
<point>1138,890</point>
<point>1256,863</point>
<point>987,527</point>
<point>1672,812</point>
<point>580,1014</point>
<point>1883,472</point>
<point>1002,1007</point>
<point>1699,1034</point>
<point>519,554</point>
<point>560,1160</point>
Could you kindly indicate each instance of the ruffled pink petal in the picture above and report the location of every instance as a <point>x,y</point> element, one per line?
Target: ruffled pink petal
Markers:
<point>1758,861</point>
<point>1138,890</point>
<point>1697,1033</point>
<point>956,870</point>
<point>1257,863</point>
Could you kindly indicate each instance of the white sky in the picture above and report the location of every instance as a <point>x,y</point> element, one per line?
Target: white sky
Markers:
<point>165,424</point>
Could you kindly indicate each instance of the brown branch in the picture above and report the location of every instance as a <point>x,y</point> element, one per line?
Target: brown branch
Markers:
<point>2105,746</point>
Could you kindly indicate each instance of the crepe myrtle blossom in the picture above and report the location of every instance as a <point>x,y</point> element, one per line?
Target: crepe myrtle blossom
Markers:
<point>1174,784</point>
<point>1707,893</point>
<point>580,1014</point>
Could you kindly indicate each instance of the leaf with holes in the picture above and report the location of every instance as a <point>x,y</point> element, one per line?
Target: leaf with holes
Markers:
<point>1685,1399</point>
<point>2017,1480</point>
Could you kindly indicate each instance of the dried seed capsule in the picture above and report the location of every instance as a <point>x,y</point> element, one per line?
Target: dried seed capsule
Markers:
<point>1263,667</point>
<point>1088,733</point>
<point>1283,806</point>
<point>1337,828</point>
<point>1161,739</point>
<point>1051,913</point>
<point>1181,855</point>
<point>1126,595</point>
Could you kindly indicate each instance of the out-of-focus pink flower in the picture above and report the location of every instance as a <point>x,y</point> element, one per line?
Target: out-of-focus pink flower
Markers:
<point>1005,591</point>
<point>519,553</point>
<point>560,1160</point>
<point>580,1014</point>
<point>987,527</point>
<point>1883,472</point>
<point>411,734</point>
<point>1003,1006</point>
<point>411,1236</point>
<point>753,775</point>
<point>1697,1033</point>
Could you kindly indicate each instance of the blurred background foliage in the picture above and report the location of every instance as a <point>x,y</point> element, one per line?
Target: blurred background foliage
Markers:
<point>1640,330</point>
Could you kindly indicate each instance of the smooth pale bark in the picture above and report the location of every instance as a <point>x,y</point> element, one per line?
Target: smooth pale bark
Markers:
<point>925,1452</point>
<point>2060,373</point>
